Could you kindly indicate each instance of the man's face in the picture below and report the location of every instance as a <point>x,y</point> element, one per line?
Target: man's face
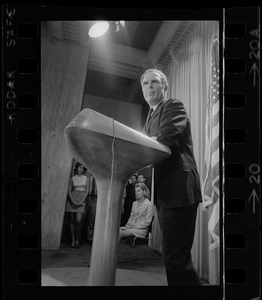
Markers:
<point>133,179</point>
<point>140,178</point>
<point>152,88</point>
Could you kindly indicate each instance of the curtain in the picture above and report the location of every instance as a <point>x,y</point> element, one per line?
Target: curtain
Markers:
<point>189,79</point>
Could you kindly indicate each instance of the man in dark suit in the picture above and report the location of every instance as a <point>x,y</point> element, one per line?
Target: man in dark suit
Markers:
<point>177,183</point>
<point>130,197</point>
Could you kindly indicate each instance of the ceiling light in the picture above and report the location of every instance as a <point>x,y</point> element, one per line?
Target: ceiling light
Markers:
<point>98,29</point>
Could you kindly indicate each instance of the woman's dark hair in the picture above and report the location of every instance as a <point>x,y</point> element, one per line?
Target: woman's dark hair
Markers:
<point>77,165</point>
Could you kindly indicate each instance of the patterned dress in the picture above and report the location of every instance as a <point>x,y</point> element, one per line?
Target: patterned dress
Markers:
<point>79,188</point>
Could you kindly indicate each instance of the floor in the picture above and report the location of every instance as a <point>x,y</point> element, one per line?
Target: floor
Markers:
<point>70,267</point>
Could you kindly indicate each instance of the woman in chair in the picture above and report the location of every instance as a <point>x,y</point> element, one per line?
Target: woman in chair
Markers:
<point>141,214</point>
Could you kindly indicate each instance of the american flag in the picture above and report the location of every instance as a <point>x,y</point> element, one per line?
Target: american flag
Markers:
<point>211,180</point>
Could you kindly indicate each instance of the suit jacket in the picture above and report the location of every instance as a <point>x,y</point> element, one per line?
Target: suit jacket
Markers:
<point>177,182</point>
<point>140,218</point>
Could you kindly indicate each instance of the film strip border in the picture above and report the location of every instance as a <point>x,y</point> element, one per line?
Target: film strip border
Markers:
<point>22,154</point>
<point>21,150</point>
<point>242,154</point>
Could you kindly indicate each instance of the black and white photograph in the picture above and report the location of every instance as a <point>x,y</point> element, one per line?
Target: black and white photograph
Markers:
<point>131,151</point>
<point>130,121</point>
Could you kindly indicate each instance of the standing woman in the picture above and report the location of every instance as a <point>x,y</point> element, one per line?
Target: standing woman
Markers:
<point>76,205</point>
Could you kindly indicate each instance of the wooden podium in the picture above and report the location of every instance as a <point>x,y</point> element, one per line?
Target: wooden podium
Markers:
<point>112,152</point>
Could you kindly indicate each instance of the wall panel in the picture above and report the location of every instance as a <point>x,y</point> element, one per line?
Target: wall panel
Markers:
<point>123,112</point>
<point>63,74</point>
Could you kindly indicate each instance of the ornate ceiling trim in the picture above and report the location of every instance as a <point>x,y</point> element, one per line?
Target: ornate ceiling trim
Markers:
<point>114,67</point>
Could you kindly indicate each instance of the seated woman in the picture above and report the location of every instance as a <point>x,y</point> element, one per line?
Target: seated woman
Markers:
<point>141,214</point>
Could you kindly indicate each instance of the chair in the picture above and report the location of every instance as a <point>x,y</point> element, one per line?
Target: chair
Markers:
<point>133,240</point>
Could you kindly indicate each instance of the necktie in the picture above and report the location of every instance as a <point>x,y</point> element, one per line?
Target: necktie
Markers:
<point>150,113</point>
<point>147,120</point>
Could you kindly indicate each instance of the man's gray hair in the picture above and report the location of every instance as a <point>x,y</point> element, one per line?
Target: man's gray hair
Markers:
<point>163,77</point>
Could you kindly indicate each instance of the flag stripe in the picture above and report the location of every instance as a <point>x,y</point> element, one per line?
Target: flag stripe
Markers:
<point>215,159</point>
<point>215,108</point>
<point>215,131</point>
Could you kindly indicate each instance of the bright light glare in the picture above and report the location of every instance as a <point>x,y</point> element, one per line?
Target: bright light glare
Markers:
<point>98,29</point>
